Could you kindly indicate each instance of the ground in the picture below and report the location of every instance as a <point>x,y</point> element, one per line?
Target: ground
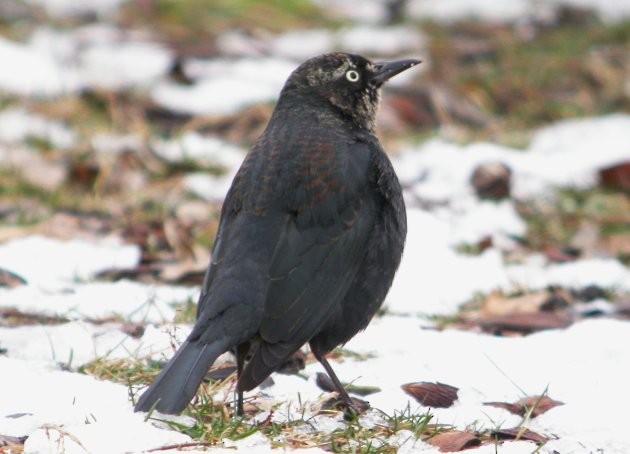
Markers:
<point>506,329</point>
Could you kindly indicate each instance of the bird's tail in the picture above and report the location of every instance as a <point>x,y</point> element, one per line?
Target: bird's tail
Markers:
<point>177,384</point>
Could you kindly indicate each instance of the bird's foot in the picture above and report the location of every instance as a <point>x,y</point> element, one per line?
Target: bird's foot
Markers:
<point>351,408</point>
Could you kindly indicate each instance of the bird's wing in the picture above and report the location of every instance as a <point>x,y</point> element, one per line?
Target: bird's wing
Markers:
<point>315,261</point>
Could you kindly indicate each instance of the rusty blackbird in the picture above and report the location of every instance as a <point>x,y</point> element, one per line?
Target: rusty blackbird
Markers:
<point>311,234</point>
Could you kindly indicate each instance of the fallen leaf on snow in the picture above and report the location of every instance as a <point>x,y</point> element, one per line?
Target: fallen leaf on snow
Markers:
<point>497,304</point>
<point>491,180</point>
<point>454,441</point>
<point>616,177</point>
<point>526,323</point>
<point>10,279</point>
<point>537,404</point>
<point>520,433</point>
<point>436,395</point>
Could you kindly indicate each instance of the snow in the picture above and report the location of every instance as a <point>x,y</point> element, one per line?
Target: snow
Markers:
<point>209,187</point>
<point>70,412</point>
<point>430,261</point>
<point>133,301</point>
<point>375,11</point>
<point>303,44</point>
<point>223,86</point>
<point>204,149</point>
<point>604,273</point>
<point>38,259</point>
<point>55,63</point>
<point>486,10</point>
<point>17,125</point>
<point>137,64</point>
<point>440,170</point>
<point>369,39</point>
<point>33,72</point>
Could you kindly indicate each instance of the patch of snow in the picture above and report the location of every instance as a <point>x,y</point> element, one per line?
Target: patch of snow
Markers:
<point>241,43</point>
<point>33,72</point>
<point>370,11</point>
<point>135,64</point>
<point>579,147</point>
<point>366,39</point>
<point>224,86</point>
<point>303,44</point>
<point>133,301</point>
<point>440,171</point>
<point>73,413</point>
<point>510,10</point>
<point>209,187</point>
<point>424,282</point>
<point>17,125</point>
<point>483,10</point>
<point>371,40</point>
<point>484,368</point>
<point>605,273</point>
<point>106,143</point>
<point>72,344</point>
<point>193,145</point>
<point>55,63</point>
<point>480,219</point>
<point>49,262</point>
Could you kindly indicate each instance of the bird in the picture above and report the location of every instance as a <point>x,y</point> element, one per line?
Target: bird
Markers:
<point>310,236</point>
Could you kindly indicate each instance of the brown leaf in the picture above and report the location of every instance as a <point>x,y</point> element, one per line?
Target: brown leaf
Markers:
<point>538,404</point>
<point>497,304</point>
<point>135,330</point>
<point>8,442</point>
<point>10,279</point>
<point>520,433</point>
<point>560,254</point>
<point>526,323</point>
<point>492,180</point>
<point>436,395</point>
<point>616,177</point>
<point>454,441</point>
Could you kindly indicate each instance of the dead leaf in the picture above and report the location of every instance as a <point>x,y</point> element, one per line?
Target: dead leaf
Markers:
<point>13,317</point>
<point>8,442</point>
<point>436,395</point>
<point>560,254</point>
<point>526,323</point>
<point>616,177</point>
<point>492,180</point>
<point>135,330</point>
<point>497,304</point>
<point>537,404</point>
<point>454,441</point>
<point>10,279</point>
<point>520,433</point>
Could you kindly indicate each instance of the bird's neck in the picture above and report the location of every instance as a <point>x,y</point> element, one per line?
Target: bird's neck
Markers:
<point>308,109</point>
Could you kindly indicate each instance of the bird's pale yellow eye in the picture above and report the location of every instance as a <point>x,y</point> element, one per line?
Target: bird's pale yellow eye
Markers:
<point>352,75</point>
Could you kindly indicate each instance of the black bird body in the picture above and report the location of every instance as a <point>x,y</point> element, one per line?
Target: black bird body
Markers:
<point>311,233</point>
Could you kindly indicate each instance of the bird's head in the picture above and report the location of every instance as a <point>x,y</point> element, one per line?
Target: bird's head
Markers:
<point>350,83</point>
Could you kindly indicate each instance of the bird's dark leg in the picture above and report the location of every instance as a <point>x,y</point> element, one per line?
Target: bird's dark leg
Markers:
<point>241,352</point>
<point>343,394</point>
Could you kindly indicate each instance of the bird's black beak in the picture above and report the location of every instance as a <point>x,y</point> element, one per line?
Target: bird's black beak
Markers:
<point>386,70</point>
